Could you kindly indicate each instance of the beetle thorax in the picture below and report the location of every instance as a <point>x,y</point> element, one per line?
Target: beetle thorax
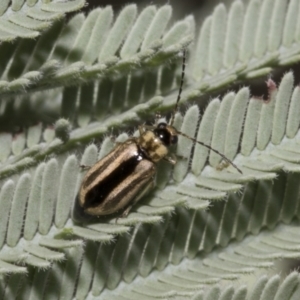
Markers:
<point>153,146</point>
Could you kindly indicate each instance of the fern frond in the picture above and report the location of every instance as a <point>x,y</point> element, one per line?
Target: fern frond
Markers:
<point>27,19</point>
<point>224,137</point>
<point>243,43</point>
<point>93,48</point>
<point>149,247</point>
<point>200,225</point>
<point>193,189</point>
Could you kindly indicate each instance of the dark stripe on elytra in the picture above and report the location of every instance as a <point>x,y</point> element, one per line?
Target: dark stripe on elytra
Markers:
<point>93,176</point>
<point>134,184</point>
<point>98,193</point>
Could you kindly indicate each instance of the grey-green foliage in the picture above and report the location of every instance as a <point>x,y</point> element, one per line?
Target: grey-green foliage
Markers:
<point>101,72</point>
<point>26,19</point>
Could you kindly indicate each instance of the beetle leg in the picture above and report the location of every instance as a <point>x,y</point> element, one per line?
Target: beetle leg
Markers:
<point>143,128</point>
<point>125,212</point>
<point>149,127</point>
<point>157,117</point>
<point>84,167</point>
<point>171,159</point>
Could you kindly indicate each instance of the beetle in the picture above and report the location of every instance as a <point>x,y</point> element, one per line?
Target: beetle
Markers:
<point>120,179</point>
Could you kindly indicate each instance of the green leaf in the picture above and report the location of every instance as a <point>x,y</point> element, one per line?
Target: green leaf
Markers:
<point>84,85</point>
<point>27,20</point>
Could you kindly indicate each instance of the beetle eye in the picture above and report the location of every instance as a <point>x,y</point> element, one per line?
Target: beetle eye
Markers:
<point>162,125</point>
<point>174,139</point>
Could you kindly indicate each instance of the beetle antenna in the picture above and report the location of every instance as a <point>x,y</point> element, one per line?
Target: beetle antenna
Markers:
<point>180,88</point>
<point>212,149</point>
